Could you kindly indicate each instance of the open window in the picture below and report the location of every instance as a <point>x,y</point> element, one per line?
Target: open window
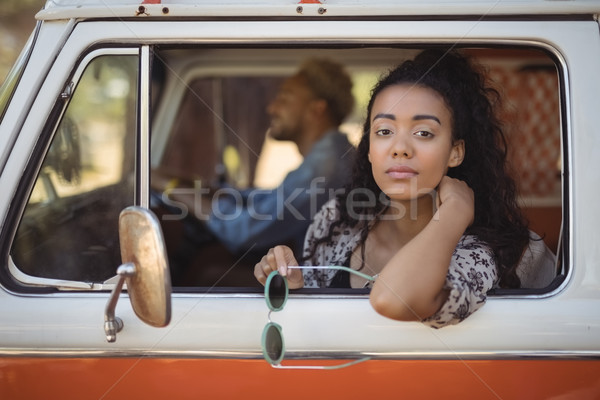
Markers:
<point>208,129</point>
<point>212,131</point>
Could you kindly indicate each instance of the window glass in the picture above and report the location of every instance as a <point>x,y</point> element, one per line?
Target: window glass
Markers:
<point>69,230</point>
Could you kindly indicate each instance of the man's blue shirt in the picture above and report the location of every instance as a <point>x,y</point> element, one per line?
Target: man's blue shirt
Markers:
<point>258,219</point>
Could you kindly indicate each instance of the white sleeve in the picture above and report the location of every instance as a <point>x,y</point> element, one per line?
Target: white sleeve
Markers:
<point>537,267</point>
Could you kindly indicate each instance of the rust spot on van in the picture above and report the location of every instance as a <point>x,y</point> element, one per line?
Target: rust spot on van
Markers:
<point>142,10</point>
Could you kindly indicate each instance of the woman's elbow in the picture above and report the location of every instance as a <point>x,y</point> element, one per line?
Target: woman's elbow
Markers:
<point>393,307</point>
<point>402,308</point>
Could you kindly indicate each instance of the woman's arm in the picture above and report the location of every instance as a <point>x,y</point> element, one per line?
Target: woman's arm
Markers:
<point>411,285</point>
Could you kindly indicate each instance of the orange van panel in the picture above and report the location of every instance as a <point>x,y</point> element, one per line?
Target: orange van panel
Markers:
<point>163,378</point>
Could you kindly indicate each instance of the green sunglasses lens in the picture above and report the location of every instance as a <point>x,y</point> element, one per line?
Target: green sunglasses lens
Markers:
<point>273,345</point>
<point>276,291</point>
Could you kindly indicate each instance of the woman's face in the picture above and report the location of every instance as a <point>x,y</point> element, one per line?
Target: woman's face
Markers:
<point>411,145</point>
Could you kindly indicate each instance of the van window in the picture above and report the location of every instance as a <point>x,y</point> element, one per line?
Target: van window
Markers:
<point>217,138</point>
<point>209,124</point>
<point>69,228</point>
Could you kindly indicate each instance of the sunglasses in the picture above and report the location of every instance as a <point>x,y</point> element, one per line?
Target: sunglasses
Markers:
<point>276,294</point>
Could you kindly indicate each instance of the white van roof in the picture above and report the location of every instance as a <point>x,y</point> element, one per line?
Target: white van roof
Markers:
<point>84,9</point>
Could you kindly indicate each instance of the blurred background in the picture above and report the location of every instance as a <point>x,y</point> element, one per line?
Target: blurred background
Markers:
<point>17,20</point>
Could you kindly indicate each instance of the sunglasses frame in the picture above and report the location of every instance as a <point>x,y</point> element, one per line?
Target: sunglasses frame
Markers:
<point>268,291</point>
<point>273,327</point>
<point>265,343</point>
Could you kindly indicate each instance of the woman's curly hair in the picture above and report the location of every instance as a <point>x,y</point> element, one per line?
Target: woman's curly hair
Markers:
<point>498,219</point>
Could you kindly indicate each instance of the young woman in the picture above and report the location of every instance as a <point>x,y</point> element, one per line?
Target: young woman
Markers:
<point>431,211</point>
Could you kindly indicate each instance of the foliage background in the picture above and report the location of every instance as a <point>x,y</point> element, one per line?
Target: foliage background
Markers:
<point>17,20</point>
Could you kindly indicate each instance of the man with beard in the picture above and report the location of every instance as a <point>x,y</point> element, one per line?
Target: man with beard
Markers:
<point>307,110</point>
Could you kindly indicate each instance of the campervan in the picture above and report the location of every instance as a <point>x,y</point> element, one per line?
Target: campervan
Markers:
<point>110,290</point>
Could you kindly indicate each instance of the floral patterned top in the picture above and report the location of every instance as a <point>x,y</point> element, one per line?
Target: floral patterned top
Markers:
<point>471,274</point>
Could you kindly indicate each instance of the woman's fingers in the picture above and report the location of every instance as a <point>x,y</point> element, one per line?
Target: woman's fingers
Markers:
<point>458,195</point>
<point>265,266</point>
<point>283,257</point>
<point>259,273</point>
<point>278,259</point>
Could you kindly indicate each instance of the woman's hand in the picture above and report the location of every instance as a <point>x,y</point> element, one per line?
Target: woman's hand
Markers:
<point>279,258</point>
<point>457,198</point>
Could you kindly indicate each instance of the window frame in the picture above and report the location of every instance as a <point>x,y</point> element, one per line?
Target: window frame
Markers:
<point>29,283</point>
<point>559,63</point>
<point>145,52</point>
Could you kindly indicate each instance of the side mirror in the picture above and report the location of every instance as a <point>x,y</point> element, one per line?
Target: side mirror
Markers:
<point>145,270</point>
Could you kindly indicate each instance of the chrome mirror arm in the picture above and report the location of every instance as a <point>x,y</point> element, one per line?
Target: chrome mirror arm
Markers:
<point>113,324</point>
<point>144,268</point>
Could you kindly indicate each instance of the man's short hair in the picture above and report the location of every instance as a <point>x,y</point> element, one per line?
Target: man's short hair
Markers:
<point>329,81</point>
